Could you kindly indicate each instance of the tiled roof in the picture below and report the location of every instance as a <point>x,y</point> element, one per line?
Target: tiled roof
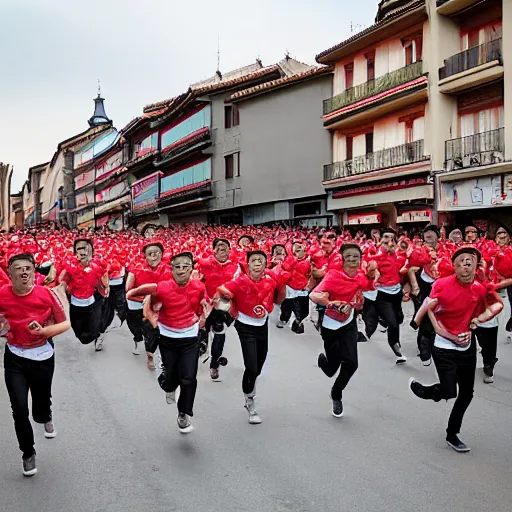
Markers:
<point>281,82</point>
<point>399,11</point>
<point>230,75</point>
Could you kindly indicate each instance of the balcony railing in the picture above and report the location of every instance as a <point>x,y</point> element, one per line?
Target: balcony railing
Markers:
<point>392,157</point>
<point>484,148</point>
<point>471,58</point>
<point>372,87</point>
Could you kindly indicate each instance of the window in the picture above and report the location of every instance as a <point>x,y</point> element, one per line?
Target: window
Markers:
<point>350,147</point>
<point>231,116</point>
<point>307,209</point>
<point>413,50</point>
<point>349,75</point>
<point>369,143</point>
<point>232,165</point>
<point>409,131</point>
<point>370,66</point>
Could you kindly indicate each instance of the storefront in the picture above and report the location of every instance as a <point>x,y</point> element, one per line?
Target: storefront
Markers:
<point>405,203</point>
<point>481,196</point>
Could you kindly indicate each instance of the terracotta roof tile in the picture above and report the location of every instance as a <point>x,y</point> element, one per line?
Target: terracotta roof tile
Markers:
<point>281,82</point>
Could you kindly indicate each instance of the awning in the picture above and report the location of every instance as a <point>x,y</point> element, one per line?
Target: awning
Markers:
<point>112,205</point>
<point>196,200</point>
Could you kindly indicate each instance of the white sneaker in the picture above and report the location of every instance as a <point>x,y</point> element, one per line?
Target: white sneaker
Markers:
<point>401,360</point>
<point>136,350</point>
<point>49,430</point>
<point>184,423</point>
<point>170,398</point>
<point>254,417</point>
<point>98,344</point>
<point>427,362</point>
<point>281,324</point>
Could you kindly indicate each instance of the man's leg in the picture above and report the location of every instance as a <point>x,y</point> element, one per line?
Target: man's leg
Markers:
<point>330,361</point>
<point>40,384</point>
<point>488,339</point>
<point>286,312</point>
<point>348,336</point>
<point>15,374</point>
<point>388,311</point>
<point>187,370</point>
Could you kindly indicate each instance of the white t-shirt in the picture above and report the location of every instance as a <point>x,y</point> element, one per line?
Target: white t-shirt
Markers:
<point>334,325</point>
<point>250,320</point>
<point>82,303</point>
<point>188,332</point>
<point>34,354</point>
<point>441,342</point>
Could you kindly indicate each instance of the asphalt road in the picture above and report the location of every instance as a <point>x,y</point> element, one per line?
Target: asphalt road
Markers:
<point>118,447</point>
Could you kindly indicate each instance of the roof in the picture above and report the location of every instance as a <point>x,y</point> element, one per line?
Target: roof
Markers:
<point>38,168</point>
<point>388,17</point>
<point>281,82</point>
<point>230,75</point>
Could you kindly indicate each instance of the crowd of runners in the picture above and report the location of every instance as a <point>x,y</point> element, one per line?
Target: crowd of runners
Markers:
<point>182,289</point>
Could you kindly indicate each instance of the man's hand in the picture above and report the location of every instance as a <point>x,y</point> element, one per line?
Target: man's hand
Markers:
<point>36,329</point>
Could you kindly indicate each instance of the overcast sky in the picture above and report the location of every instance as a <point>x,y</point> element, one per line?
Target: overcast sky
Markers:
<point>53,52</point>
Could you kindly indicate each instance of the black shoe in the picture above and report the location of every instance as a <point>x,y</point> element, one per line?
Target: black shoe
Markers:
<point>203,348</point>
<point>222,361</point>
<point>400,359</point>
<point>458,445</point>
<point>361,338</point>
<point>337,408</point>
<point>417,388</point>
<point>297,327</point>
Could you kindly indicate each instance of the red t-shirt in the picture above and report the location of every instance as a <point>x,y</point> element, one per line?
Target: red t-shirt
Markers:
<point>83,281</point>
<point>389,266</point>
<point>40,305</point>
<point>248,294</point>
<point>340,286</point>
<point>216,273</point>
<point>181,305</point>
<point>299,272</point>
<point>144,274</point>
<point>458,303</point>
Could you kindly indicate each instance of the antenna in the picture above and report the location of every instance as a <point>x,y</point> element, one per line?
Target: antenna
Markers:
<point>218,51</point>
<point>99,88</point>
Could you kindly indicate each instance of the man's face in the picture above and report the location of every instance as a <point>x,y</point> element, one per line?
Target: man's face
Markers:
<point>328,241</point>
<point>221,252</point>
<point>153,255</point>
<point>375,235</point>
<point>244,242</point>
<point>83,251</point>
<point>430,237</point>
<point>465,267</point>
<point>351,259</point>
<point>471,234</point>
<point>257,264</point>
<point>456,236</point>
<point>388,242</point>
<point>502,237</point>
<point>22,273</point>
<point>182,269</point>
<point>299,251</point>
<point>279,253</point>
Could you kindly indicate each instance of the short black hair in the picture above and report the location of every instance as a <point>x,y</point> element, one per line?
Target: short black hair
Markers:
<point>152,244</point>
<point>433,228</point>
<point>346,246</point>
<point>253,253</point>
<point>186,254</point>
<point>467,250</point>
<point>22,256</point>
<point>86,240</point>
<point>217,241</point>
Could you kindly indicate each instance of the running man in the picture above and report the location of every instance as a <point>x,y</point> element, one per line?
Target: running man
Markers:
<point>34,316</point>
<point>456,306</point>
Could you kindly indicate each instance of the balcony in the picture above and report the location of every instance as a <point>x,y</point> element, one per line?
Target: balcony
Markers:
<point>476,66</point>
<point>449,7</point>
<point>410,153</point>
<point>484,148</point>
<point>373,87</point>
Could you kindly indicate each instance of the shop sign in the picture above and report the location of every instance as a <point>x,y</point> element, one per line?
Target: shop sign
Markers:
<point>475,193</point>
<point>368,218</point>
<point>415,216</point>
<point>380,187</point>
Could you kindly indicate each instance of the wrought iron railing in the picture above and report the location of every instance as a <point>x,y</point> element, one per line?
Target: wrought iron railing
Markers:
<point>480,149</point>
<point>390,157</point>
<point>372,87</point>
<point>472,58</point>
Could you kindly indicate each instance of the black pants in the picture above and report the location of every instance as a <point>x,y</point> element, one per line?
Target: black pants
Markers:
<point>389,308</point>
<point>86,321</point>
<point>114,303</point>
<point>179,357</point>
<point>426,333</point>
<point>341,353</point>
<point>454,368</point>
<point>299,306</point>
<point>142,330</point>
<point>21,376</point>
<point>216,319</point>
<point>370,317</point>
<point>488,340</point>
<point>254,342</point>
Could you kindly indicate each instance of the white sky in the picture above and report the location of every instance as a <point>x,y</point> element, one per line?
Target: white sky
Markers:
<point>53,52</point>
